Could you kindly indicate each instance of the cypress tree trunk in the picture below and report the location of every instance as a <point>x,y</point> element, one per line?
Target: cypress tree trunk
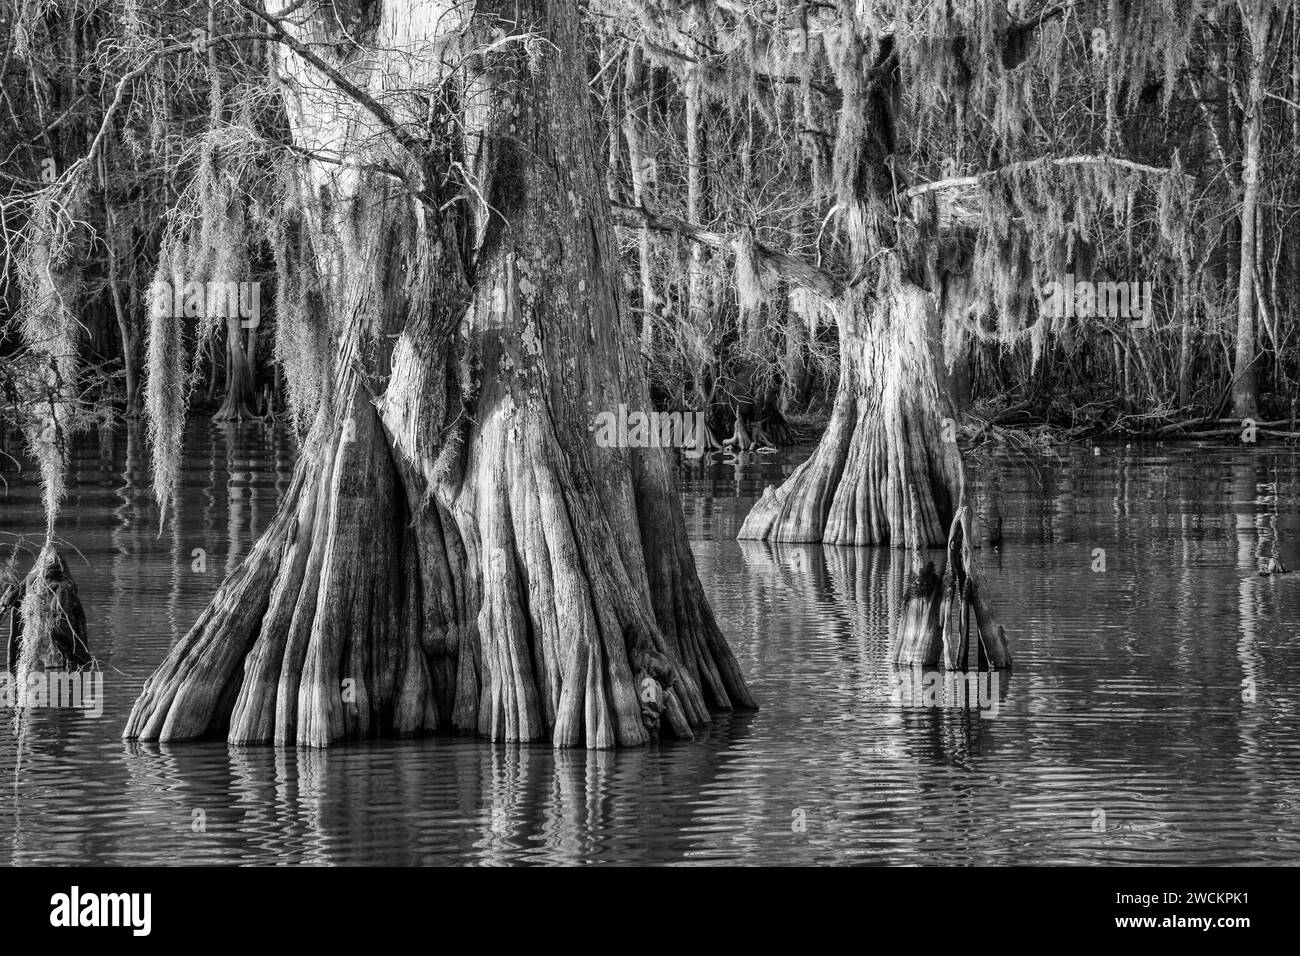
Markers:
<point>119,235</point>
<point>883,472</point>
<point>1245,388</point>
<point>240,401</point>
<point>641,164</point>
<point>887,470</point>
<point>796,368</point>
<point>699,306</point>
<point>456,552</point>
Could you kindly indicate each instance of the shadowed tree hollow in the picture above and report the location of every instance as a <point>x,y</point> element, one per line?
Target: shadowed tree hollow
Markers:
<point>454,553</point>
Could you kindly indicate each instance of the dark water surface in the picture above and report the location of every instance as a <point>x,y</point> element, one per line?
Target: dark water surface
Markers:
<point>1153,714</point>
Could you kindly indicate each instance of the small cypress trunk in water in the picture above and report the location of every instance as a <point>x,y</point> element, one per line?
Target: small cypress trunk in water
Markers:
<point>48,596</point>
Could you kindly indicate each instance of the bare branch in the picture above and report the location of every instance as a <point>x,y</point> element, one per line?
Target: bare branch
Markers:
<point>780,265</point>
<point>960,182</point>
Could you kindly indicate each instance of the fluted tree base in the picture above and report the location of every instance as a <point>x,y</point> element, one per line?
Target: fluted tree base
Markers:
<point>456,552</point>
<point>355,617</point>
<point>887,471</point>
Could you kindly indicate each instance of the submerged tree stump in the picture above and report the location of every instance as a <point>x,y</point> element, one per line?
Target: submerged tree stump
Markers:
<point>919,639</point>
<point>942,615</point>
<point>48,590</point>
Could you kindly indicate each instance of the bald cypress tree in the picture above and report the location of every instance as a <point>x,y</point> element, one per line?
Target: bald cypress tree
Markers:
<point>455,551</point>
<point>962,158</point>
